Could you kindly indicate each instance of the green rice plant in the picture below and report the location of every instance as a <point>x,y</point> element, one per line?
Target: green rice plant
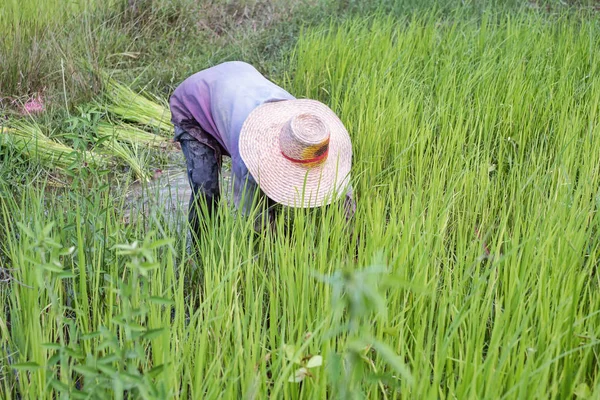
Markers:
<point>29,52</point>
<point>475,159</point>
<point>27,137</point>
<point>122,141</point>
<point>29,17</point>
<point>74,360</point>
<point>131,106</point>
<point>128,143</point>
<point>142,324</point>
<point>129,154</point>
<point>131,134</point>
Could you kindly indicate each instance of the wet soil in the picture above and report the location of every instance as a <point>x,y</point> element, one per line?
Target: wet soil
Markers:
<point>168,192</point>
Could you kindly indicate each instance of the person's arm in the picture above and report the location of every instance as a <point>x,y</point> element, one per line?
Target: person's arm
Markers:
<point>349,211</point>
<point>249,199</point>
<point>349,204</point>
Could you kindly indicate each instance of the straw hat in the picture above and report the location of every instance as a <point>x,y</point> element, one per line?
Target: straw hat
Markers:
<point>298,151</point>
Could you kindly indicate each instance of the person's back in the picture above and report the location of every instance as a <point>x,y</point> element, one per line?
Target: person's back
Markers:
<point>220,98</point>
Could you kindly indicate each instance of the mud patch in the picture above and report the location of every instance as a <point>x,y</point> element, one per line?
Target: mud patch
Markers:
<point>168,193</point>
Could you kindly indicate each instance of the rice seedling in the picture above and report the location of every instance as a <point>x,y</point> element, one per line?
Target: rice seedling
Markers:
<point>88,129</point>
<point>128,154</point>
<point>131,134</point>
<point>477,149</point>
<point>131,106</point>
<point>27,137</point>
<point>129,143</point>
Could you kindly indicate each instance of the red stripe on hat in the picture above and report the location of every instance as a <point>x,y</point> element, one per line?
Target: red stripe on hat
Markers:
<point>309,160</point>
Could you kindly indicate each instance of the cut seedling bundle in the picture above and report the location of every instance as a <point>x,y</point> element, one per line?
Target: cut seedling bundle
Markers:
<point>27,137</point>
<point>125,140</point>
<point>131,134</point>
<point>130,106</point>
<point>113,138</point>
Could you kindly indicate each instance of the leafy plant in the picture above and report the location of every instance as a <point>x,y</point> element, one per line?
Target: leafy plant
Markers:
<point>305,363</point>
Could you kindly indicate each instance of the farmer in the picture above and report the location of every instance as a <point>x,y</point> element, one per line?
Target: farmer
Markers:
<point>283,150</point>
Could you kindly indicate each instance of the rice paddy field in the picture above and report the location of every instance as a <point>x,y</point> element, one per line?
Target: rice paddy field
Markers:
<point>469,271</point>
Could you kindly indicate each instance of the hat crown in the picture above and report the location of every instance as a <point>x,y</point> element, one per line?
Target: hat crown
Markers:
<point>304,139</point>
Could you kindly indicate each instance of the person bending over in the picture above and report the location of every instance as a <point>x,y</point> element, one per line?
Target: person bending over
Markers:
<point>283,150</point>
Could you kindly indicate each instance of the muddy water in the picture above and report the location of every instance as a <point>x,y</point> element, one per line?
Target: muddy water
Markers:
<point>168,192</point>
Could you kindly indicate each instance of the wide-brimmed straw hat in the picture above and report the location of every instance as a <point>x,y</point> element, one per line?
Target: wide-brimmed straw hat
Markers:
<point>298,151</point>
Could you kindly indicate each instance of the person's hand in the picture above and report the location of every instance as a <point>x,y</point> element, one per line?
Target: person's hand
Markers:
<point>266,220</point>
<point>349,207</point>
<point>349,211</point>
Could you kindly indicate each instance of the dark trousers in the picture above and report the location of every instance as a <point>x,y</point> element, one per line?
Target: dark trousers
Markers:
<point>203,169</point>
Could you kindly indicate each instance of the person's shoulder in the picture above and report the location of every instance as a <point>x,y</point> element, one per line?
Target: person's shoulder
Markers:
<point>220,71</point>
<point>236,64</point>
<point>236,68</point>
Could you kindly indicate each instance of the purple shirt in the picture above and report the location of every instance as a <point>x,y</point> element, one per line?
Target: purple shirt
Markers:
<point>219,99</point>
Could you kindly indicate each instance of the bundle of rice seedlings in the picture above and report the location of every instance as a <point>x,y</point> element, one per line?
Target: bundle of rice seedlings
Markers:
<point>131,134</point>
<point>27,137</point>
<point>131,106</point>
<point>129,155</point>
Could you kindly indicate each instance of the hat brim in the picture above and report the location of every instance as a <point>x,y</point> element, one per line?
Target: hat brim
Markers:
<point>282,180</point>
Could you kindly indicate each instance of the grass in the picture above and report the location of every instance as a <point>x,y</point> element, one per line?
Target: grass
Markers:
<point>155,42</point>
<point>474,274</point>
<point>57,51</point>
<point>34,55</point>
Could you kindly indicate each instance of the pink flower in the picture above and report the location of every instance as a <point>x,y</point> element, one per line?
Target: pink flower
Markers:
<point>34,106</point>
